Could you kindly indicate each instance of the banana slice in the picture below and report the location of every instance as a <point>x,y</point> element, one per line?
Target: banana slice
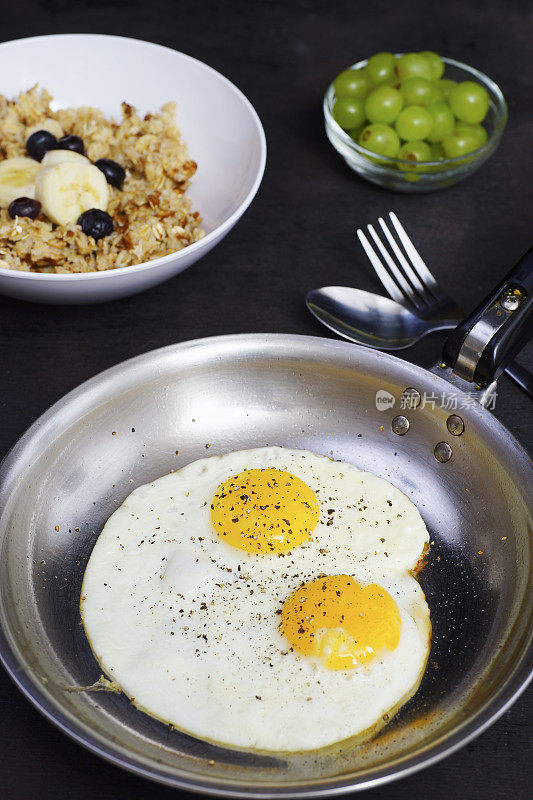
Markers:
<point>17,178</point>
<point>50,125</point>
<point>69,188</point>
<point>52,157</point>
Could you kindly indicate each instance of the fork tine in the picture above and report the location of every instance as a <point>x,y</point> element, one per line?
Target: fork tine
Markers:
<point>393,269</point>
<point>408,270</point>
<point>418,264</point>
<point>381,272</point>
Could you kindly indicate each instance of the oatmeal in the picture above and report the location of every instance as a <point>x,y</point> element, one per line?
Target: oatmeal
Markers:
<point>82,193</point>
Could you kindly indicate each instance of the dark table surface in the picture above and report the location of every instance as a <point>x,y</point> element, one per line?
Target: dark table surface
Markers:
<point>298,234</point>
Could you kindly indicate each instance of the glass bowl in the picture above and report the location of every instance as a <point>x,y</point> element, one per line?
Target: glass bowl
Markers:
<point>426,176</point>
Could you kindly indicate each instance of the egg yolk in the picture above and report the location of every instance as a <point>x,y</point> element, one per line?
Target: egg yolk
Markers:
<point>340,622</point>
<point>264,511</point>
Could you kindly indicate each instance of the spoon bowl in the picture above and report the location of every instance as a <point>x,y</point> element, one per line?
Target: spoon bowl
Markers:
<point>370,319</point>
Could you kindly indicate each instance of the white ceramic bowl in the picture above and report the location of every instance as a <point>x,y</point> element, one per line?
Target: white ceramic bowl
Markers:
<point>222,130</point>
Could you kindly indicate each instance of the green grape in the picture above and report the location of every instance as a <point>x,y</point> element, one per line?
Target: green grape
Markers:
<point>414,122</point>
<point>474,130</point>
<point>417,92</point>
<point>413,65</point>
<point>437,152</point>
<point>435,62</point>
<point>469,101</point>
<point>355,133</point>
<point>460,143</point>
<point>412,153</point>
<point>443,122</point>
<point>349,112</point>
<point>445,85</point>
<point>351,83</point>
<point>380,139</point>
<point>383,104</point>
<point>380,68</point>
<point>438,94</point>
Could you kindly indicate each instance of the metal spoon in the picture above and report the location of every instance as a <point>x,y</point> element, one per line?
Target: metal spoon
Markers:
<point>370,319</point>
<point>384,324</point>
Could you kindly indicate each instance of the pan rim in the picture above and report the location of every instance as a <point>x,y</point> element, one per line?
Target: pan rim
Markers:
<point>264,339</point>
<point>290,345</point>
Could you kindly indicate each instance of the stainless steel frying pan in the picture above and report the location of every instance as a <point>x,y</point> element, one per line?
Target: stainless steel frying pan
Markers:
<point>470,479</point>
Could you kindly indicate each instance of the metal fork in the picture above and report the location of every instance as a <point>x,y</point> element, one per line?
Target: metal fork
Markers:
<point>410,283</point>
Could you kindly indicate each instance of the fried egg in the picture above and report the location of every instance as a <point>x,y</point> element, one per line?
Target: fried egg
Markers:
<point>262,599</point>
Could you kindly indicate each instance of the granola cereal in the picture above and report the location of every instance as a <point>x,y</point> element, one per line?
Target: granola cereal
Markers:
<point>152,215</point>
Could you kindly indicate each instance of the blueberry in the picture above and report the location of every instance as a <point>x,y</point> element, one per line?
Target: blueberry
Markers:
<point>96,223</point>
<point>24,207</point>
<point>114,173</point>
<point>39,143</point>
<point>71,142</point>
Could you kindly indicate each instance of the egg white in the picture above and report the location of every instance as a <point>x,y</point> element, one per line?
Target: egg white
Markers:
<point>189,626</point>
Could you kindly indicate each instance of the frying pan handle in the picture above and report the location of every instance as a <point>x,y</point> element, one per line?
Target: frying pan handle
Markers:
<point>480,348</point>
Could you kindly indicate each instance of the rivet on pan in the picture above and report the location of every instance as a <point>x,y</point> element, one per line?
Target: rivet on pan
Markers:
<point>455,425</point>
<point>400,425</point>
<point>411,398</point>
<point>511,299</point>
<point>443,452</point>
